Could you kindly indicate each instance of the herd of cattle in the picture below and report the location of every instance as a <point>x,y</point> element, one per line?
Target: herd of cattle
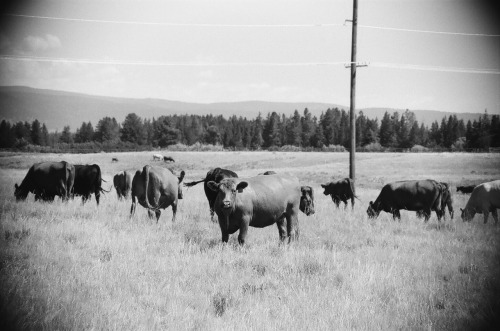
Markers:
<point>257,201</point>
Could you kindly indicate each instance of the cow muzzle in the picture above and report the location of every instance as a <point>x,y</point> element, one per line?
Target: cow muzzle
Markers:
<point>226,204</point>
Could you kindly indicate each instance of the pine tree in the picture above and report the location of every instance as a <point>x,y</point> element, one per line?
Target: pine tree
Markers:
<point>66,136</point>
<point>132,130</point>
<point>36,133</point>
<point>386,131</point>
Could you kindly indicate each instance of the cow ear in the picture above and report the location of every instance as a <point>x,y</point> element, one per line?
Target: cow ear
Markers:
<point>371,203</point>
<point>181,177</point>
<point>323,185</point>
<point>241,185</point>
<point>461,210</point>
<point>16,186</point>
<point>213,186</point>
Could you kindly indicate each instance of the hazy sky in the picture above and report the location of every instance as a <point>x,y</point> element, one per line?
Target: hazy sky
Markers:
<point>135,59</point>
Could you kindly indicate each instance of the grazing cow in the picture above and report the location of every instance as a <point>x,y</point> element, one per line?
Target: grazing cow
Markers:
<point>157,157</point>
<point>259,201</point>
<point>88,180</point>
<point>122,182</point>
<point>446,201</point>
<point>115,159</point>
<point>412,195</point>
<point>307,200</point>
<point>269,172</point>
<point>466,189</point>
<point>216,175</point>
<point>156,188</point>
<point>484,199</point>
<point>340,190</point>
<point>168,159</point>
<point>46,180</point>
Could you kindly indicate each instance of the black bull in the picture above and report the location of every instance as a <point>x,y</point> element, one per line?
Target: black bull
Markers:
<point>46,180</point>
<point>88,180</point>
<point>215,175</point>
<point>414,195</point>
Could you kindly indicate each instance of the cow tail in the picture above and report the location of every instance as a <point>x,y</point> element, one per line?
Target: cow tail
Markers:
<point>70,178</point>
<point>353,190</point>
<point>146,183</point>
<point>194,183</point>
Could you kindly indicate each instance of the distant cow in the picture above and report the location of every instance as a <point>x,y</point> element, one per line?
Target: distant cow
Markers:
<point>216,175</point>
<point>156,188</point>
<point>415,195</point>
<point>340,190</point>
<point>484,199</point>
<point>122,182</point>
<point>269,172</point>
<point>115,159</point>
<point>168,159</point>
<point>46,180</point>
<point>259,201</point>
<point>446,201</point>
<point>157,157</point>
<point>466,189</point>
<point>88,180</point>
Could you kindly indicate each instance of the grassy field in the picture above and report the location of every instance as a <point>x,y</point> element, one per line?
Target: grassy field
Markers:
<point>74,266</point>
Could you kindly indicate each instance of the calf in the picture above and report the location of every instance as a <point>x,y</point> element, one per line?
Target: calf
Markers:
<point>340,190</point>
<point>122,182</point>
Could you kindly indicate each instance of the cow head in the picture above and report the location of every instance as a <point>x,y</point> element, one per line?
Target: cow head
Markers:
<point>372,211</point>
<point>181,177</point>
<point>327,189</point>
<point>227,190</point>
<point>467,214</point>
<point>20,193</point>
<point>307,200</point>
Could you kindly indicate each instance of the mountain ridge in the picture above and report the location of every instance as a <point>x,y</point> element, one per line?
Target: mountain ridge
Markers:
<point>60,108</point>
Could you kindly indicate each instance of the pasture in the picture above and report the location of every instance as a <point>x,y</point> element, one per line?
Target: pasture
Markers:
<point>74,266</point>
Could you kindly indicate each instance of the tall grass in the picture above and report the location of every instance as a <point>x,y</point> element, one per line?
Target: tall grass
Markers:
<point>68,266</point>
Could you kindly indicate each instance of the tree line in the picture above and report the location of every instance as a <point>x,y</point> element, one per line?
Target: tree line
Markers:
<point>300,130</point>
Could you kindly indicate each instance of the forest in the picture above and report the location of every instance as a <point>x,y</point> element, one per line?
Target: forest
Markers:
<point>300,131</point>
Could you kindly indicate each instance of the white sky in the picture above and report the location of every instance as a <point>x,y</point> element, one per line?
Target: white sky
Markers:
<point>376,86</point>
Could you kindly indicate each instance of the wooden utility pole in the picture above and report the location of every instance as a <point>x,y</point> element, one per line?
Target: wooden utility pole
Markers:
<point>352,154</point>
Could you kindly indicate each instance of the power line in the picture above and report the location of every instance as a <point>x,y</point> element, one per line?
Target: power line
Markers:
<point>205,25</point>
<point>166,64</point>
<point>248,64</point>
<point>428,31</point>
<point>435,68</point>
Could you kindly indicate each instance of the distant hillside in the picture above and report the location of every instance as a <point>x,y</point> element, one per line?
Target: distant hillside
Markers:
<point>57,109</point>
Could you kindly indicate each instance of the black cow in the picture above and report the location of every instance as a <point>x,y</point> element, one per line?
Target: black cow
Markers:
<point>340,190</point>
<point>46,180</point>
<point>168,159</point>
<point>269,172</point>
<point>446,201</point>
<point>466,189</point>
<point>257,202</point>
<point>415,195</point>
<point>115,159</point>
<point>216,175</point>
<point>88,180</point>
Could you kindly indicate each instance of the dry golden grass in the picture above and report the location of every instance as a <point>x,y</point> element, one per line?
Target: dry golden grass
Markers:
<point>68,266</point>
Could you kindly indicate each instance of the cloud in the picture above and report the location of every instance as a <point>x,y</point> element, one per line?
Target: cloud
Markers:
<point>36,44</point>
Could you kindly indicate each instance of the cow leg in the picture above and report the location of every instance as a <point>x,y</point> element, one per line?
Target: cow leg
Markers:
<point>174,211</point>
<point>427,214</point>
<point>243,231</point>
<point>495,215</point>
<point>158,214</point>
<point>97,197</point>
<point>396,214</point>
<point>132,208</point>
<point>352,203</point>
<point>292,226</point>
<point>486,213</point>
<point>223,221</point>
<point>281,228</point>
